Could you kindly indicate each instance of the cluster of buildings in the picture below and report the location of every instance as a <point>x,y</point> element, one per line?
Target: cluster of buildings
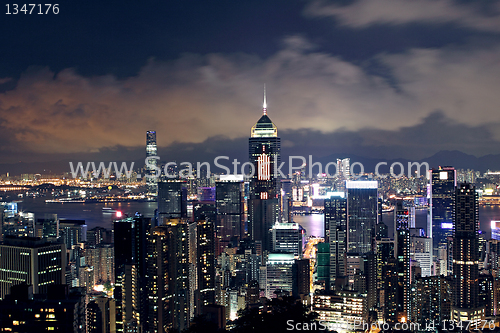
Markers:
<point>235,245</point>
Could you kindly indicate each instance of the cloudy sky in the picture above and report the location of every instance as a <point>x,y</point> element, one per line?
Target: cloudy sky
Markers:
<point>377,78</point>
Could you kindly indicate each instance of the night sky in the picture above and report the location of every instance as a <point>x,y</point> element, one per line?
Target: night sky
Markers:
<point>377,78</point>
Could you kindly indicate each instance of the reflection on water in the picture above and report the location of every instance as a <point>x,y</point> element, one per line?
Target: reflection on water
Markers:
<point>90,212</point>
<point>314,224</point>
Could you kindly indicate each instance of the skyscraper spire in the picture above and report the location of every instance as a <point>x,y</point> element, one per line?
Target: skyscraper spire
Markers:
<point>264,105</point>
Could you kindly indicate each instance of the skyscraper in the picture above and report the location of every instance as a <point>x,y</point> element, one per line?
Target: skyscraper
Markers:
<point>230,219</point>
<point>131,246</point>
<point>287,238</point>
<point>206,262</point>
<point>362,199</point>
<point>168,276</point>
<point>264,198</point>
<point>465,300</point>
<point>336,236</point>
<point>343,167</point>
<point>442,191</point>
<point>172,200</point>
<point>151,150</point>
<point>32,261</point>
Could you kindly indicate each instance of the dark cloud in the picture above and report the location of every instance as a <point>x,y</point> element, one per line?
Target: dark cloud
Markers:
<point>321,103</point>
<point>364,13</point>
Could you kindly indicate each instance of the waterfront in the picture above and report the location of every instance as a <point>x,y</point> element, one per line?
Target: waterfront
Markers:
<point>93,214</point>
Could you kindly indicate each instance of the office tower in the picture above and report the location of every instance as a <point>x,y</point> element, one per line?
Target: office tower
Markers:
<point>47,227</point>
<point>280,275</point>
<point>73,232</point>
<point>151,150</point>
<point>441,193</point>
<point>131,272</point>
<point>59,310</point>
<point>431,301</point>
<point>230,208</point>
<point>336,235</point>
<point>172,200</point>
<point>287,238</point>
<point>33,261</point>
<point>345,310</point>
<point>264,197</point>
<point>402,255</point>
<point>343,167</point>
<point>421,252</point>
<point>19,225</point>
<point>465,306</point>
<point>362,199</point>
<point>206,262</point>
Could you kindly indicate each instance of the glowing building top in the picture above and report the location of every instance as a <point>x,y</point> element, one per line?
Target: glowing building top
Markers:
<point>264,127</point>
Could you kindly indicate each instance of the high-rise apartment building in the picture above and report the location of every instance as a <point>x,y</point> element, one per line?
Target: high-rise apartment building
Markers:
<point>402,255</point>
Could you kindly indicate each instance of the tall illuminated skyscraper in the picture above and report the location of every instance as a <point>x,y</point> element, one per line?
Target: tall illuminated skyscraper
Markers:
<point>151,150</point>
<point>362,203</point>
<point>465,300</point>
<point>229,196</point>
<point>402,254</point>
<point>264,199</point>
<point>442,190</point>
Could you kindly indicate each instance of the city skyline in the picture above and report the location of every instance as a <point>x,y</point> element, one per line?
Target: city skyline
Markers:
<point>144,187</point>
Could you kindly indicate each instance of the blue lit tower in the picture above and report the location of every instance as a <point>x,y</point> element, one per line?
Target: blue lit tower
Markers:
<point>151,150</point>
<point>263,204</point>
